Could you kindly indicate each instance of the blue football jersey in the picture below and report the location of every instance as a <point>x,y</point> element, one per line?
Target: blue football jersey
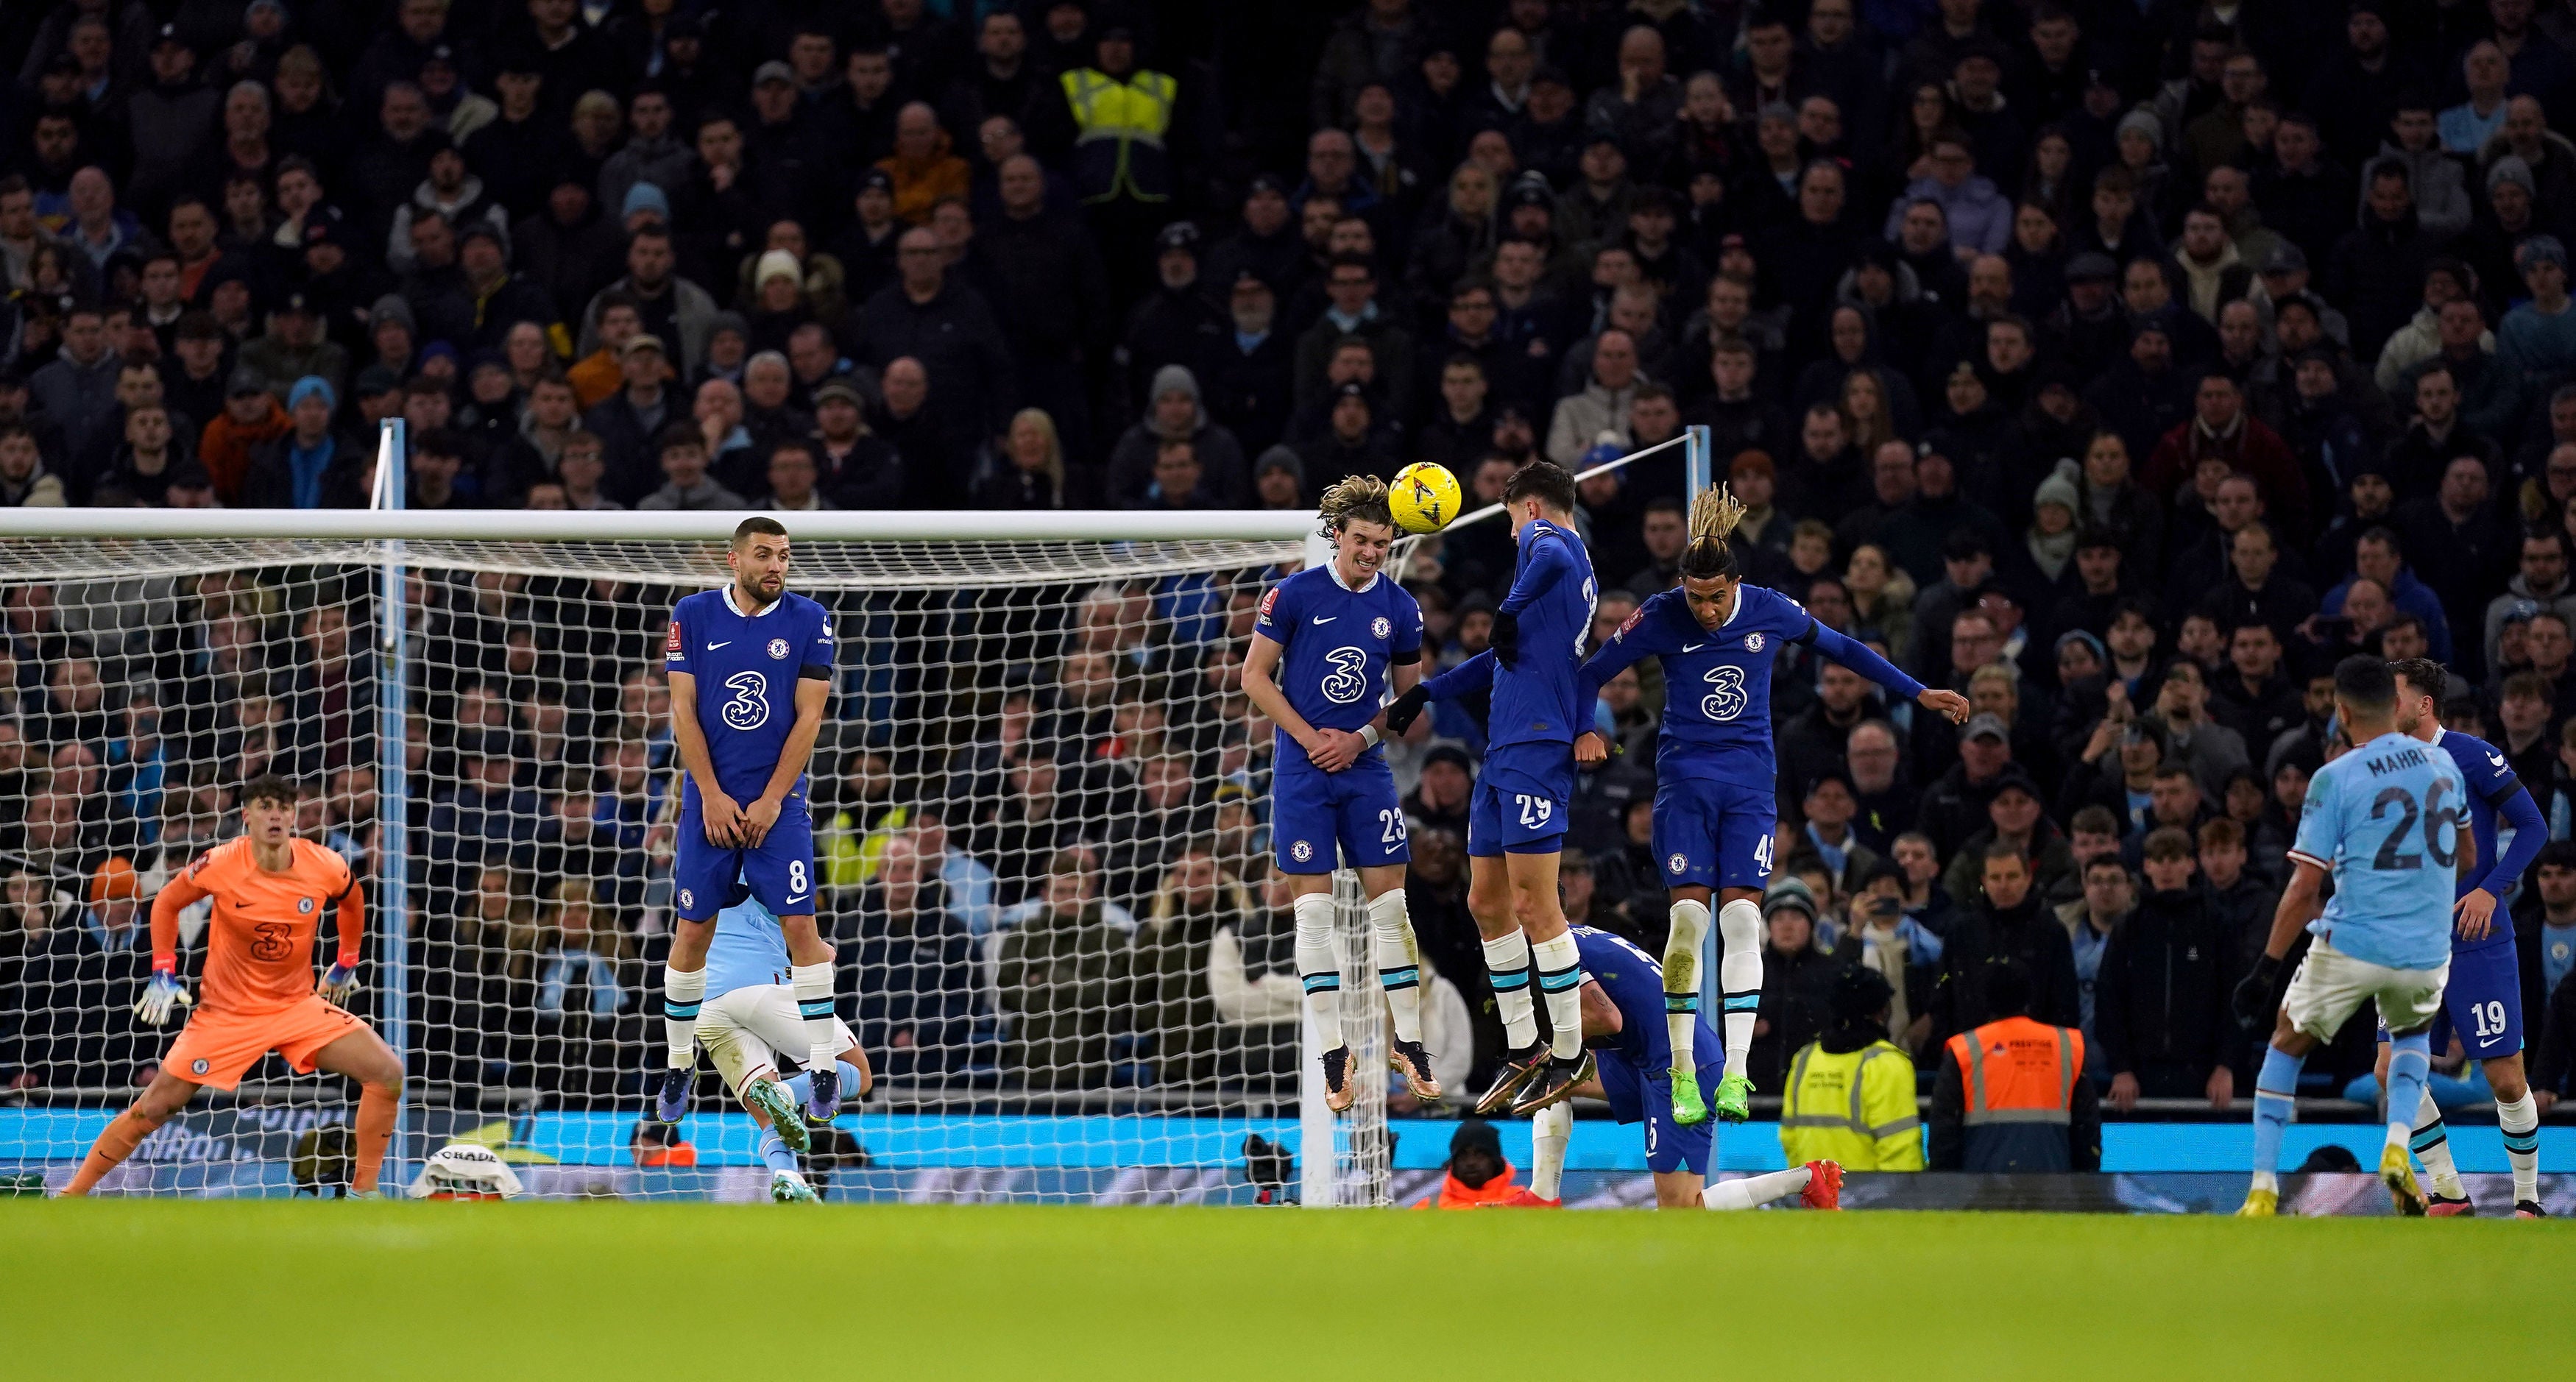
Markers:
<point>1534,702</point>
<point>747,667</point>
<point>2383,819</point>
<point>1717,683</point>
<point>1634,984</point>
<point>1336,644</point>
<point>747,951</point>
<point>2491,783</point>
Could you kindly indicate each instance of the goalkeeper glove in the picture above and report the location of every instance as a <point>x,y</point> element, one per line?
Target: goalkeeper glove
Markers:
<point>1405,710</point>
<point>339,982</point>
<point>1506,638</point>
<point>2253,999</point>
<point>163,993</point>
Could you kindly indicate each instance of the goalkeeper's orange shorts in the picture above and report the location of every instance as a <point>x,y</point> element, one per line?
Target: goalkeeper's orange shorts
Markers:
<point>217,1049</point>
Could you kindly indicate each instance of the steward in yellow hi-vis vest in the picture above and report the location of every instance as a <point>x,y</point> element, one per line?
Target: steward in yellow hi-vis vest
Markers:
<point>1850,1096</point>
<point>1122,122</point>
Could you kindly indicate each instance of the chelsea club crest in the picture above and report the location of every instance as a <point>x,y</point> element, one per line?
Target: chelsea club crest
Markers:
<point>1752,642</point>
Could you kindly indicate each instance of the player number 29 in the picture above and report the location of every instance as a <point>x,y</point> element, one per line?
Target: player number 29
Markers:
<point>1535,811</point>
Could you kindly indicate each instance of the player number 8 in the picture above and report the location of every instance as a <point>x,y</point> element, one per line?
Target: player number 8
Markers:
<point>795,877</point>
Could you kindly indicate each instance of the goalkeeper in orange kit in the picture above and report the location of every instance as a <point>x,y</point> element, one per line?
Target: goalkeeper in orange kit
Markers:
<point>270,890</point>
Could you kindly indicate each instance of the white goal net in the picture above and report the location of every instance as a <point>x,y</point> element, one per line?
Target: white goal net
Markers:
<point>1039,797</point>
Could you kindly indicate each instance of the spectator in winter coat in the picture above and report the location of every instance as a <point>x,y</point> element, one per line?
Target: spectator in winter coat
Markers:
<point>2160,1001</point>
<point>1797,981</point>
<point>2007,923</point>
<point>1980,218</point>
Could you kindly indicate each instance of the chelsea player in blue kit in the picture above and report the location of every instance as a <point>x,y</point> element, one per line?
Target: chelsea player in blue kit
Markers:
<point>1716,780</point>
<point>765,658</point>
<point>1623,1024</point>
<point>1325,645</point>
<point>2388,819</point>
<point>749,1018</point>
<point>1517,817</point>
<point>2482,1003</point>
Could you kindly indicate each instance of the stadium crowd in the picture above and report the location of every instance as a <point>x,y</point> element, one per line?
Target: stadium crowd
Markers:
<point>2119,365</point>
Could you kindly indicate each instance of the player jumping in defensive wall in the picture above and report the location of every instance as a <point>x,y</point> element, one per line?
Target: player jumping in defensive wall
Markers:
<point>1716,783</point>
<point>749,1018</point>
<point>750,668</point>
<point>1327,642</point>
<point>270,890</point>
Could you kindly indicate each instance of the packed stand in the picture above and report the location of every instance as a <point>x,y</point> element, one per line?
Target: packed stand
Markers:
<point>2118,367</point>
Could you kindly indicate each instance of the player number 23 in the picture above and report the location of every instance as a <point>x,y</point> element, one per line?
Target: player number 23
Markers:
<point>1726,699</point>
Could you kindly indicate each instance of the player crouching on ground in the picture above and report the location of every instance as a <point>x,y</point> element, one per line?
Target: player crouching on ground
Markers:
<point>1623,1024</point>
<point>271,890</point>
<point>1324,647</point>
<point>749,1016</point>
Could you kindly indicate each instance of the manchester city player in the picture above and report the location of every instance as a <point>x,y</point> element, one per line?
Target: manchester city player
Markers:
<point>1716,794</point>
<point>764,657</point>
<point>749,1019</point>
<point>1623,1012</point>
<point>2482,1003</point>
<point>1517,818</point>
<point>1327,641</point>
<point>2387,819</point>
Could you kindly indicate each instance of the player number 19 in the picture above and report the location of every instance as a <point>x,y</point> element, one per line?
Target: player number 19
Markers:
<point>2490,1018</point>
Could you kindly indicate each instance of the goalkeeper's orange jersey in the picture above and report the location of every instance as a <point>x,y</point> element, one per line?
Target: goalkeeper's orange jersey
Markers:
<point>259,943</point>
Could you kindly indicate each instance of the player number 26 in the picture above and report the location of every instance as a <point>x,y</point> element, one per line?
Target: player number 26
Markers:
<point>2439,826</point>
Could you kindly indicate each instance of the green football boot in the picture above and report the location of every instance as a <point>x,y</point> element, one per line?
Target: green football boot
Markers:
<point>1734,1101</point>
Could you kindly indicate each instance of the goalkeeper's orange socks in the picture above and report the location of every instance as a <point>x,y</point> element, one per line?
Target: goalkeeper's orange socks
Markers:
<point>1399,972</point>
<point>375,1128</point>
<point>115,1143</point>
<point>1319,967</point>
<point>682,992</point>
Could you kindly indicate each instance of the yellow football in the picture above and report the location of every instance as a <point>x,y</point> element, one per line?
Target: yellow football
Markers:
<point>1424,497</point>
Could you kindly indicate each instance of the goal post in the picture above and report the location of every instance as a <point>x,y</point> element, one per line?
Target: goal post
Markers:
<point>474,702</point>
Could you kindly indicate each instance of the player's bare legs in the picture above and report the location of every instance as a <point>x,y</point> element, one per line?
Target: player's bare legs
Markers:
<point>161,1102</point>
<point>1507,962</point>
<point>363,1056</point>
<point>2517,1117</point>
<point>1558,967</point>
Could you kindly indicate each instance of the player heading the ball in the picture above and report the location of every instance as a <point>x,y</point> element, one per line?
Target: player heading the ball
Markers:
<point>271,890</point>
<point>1715,776</point>
<point>750,668</point>
<point>1327,642</point>
<point>1517,817</point>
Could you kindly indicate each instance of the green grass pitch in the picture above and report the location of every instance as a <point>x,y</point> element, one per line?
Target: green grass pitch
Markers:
<point>176,1289</point>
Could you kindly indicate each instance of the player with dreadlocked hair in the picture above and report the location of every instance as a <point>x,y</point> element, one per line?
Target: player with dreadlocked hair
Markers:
<point>1327,642</point>
<point>1716,796</point>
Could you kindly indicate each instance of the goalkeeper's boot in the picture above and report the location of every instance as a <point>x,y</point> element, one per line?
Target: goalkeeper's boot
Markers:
<point>1407,1058</point>
<point>824,1103</point>
<point>1824,1185</point>
<point>2442,1206</point>
<point>1340,1091</point>
<point>772,1098</point>
<point>1688,1107</point>
<point>2397,1172</point>
<point>787,1187</point>
<point>2529,1209</point>
<point>671,1101</point>
<point>1733,1102</point>
<point>1518,1067</point>
<point>1553,1084</point>
<point>1526,1198</point>
<point>2259,1204</point>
